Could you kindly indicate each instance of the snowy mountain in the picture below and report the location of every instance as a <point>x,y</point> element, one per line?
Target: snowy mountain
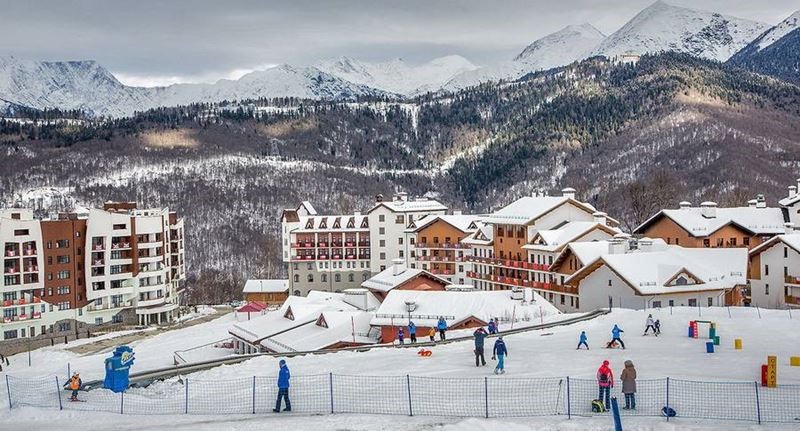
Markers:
<point>776,52</point>
<point>569,44</point>
<point>397,76</point>
<point>664,27</point>
<point>87,86</point>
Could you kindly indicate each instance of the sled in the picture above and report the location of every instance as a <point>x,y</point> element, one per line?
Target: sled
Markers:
<point>424,353</point>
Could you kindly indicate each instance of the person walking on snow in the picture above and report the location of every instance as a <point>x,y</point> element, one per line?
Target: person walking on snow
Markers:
<point>432,334</point>
<point>74,384</point>
<point>657,325</point>
<point>615,331</point>
<point>650,325</point>
<point>401,336</point>
<point>500,351</point>
<point>441,325</point>
<point>605,381</point>
<point>283,388</point>
<point>492,327</point>
<point>480,336</point>
<point>412,332</point>
<point>628,378</point>
<point>583,341</point>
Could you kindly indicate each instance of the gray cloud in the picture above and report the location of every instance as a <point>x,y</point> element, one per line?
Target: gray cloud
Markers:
<point>207,39</point>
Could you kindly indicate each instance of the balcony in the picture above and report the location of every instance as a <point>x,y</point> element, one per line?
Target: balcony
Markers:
<point>150,302</point>
<point>304,244</point>
<point>792,300</point>
<point>32,268</point>
<point>109,305</point>
<point>120,246</point>
<point>22,317</point>
<point>792,279</point>
<point>98,262</point>
<point>29,251</point>
<point>11,253</point>
<point>322,244</point>
<point>13,269</point>
<point>363,243</point>
<point>441,245</point>
<point>441,271</point>
<point>363,256</point>
<point>98,247</point>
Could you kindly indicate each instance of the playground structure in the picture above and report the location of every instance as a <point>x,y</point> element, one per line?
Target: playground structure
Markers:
<point>694,332</point>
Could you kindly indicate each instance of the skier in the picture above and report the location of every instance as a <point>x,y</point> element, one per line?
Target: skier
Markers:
<point>441,325</point>
<point>605,381</point>
<point>492,327</point>
<point>500,351</point>
<point>615,331</point>
<point>628,378</point>
<point>583,341</point>
<point>412,331</point>
<point>432,333</point>
<point>401,336</point>
<point>283,388</point>
<point>658,327</point>
<point>74,384</point>
<point>650,325</point>
<point>480,336</point>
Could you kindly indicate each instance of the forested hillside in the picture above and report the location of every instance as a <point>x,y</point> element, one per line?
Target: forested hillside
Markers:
<point>630,138</point>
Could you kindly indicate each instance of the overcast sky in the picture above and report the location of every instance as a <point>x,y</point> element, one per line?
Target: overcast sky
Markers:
<point>149,42</point>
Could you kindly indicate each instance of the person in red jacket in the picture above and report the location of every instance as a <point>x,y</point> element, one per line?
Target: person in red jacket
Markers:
<point>605,380</point>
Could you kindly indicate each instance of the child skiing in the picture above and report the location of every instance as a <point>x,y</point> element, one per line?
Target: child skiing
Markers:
<point>615,331</point>
<point>658,327</point>
<point>283,388</point>
<point>583,341</point>
<point>650,325</point>
<point>401,336</point>
<point>500,351</point>
<point>605,381</point>
<point>412,332</point>
<point>441,325</point>
<point>480,336</point>
<point>74,384</point>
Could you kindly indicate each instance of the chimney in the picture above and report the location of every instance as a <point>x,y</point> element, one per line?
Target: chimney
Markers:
<point>568,192</point>
<point>456,212</point>
<point>357,213</point>
<point>792,191</point>
<point>761,202</point>
<point>379,198</point>
<point>685,204</point>
<point>401,196</point>
<point>616,246</point>
<point>708,209</point>
<point>789,227</point>
<point>752,203</point>
<point>645,244</point>
<point>398,267</point>
<point>600,217</point>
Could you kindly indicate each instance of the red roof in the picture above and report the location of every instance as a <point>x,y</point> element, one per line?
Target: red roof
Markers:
<point>253,307</point>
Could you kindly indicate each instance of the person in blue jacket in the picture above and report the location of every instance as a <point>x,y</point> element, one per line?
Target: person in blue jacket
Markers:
<point>615,331</point>
<point>492,327</point>
<point>441,325</point>
<point>500,351</point>
<point>283,388</point>
<point>412,331</point>
<point>583,341</point>
<point>401,335</point>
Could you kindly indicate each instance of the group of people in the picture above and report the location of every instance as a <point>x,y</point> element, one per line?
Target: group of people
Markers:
<point>605,381</point>
<point>616,334</point>
<point>499,350</point>
<point>441,328</point>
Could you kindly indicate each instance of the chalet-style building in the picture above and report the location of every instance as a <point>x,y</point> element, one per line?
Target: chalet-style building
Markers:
<point>399,277</point>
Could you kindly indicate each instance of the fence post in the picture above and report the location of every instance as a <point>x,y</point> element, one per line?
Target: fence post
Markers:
<point>58,395</point>
<point>8,388</point>
<point>758,405</point>
<point>186,405</point>
<point>569,407</point>
<point>615,412</point>
<point>331,386</point>
<point>254,394</point>
<point>122,403</point>
<point>486,395</point>
<point>69,370</point>
<point>408,385</point>
<point>667,397</point>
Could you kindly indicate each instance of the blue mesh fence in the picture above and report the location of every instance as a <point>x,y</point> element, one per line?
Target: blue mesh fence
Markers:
<point>424,396</point>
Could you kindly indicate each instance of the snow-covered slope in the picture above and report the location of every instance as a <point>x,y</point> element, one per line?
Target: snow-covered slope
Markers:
<point>664,27</point>
<point>397,76</point>
<point>569,44</point>
<point>776,52</point>
<point>779,31</point>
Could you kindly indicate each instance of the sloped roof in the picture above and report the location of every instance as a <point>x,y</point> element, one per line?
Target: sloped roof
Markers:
<point>342,326</point>
<point>758,221</point>
<point>554,239</point>
<point>463,222</point>
<point>386,280</point>
<point>648,272</point>
<point>266,286</point>
<point>455,306</point>
<point>411,205</point>
<point>483,236</point>
<point>791,240</point>
<point>316,223</point>
<point>252,307</point>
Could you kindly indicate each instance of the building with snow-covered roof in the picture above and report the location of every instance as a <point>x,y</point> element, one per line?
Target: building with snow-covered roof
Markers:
<point>461,309</point>
<point>332,329</point>
<point>437,244</point>
<point>791,204</point>
<point>400,277</point>
<point>775,271</point>
<point>711,226</point>
<point>336,252</point>
<point>269,292</point>
<point>649,273</point>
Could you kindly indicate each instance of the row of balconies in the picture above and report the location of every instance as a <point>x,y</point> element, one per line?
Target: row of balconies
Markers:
<point>441,245</point>
<point>792,279</point>
<point>110,305</point>
<point>13,252</point>
<point>523,283</point>
<point>20,317</point>
<point>15,280</point>
<point>21,301</point>
<point>510,263</point>
<point>441,271</point>
<point>325,244</point>
<point>429,258</point>
<point>323,256</point>
<point>16,269</point>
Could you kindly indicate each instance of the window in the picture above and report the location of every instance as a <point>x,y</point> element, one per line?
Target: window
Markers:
<point>119,226</point>
<point>720,242</point>
<point>562,299</point>
<point>49,260</point>
<point>382,256</point>
<point>766,289</point>
<point>310,278</point>
<point>21,232</point>
<point>296,267</point>
<point>62,243</point>
<point>382,231</point>
<point>8,335</point>
<point>63,305</point>
<point>98,320</point>
<point>382,243</point>
<point>671,302</point>
<point>706,242</point>
<point>296,278</point>
<point>381,218</point>
<point>656,304</point>
<point>337,277</point>
<point>309,266</point>
<point>733,242</point>
<point>400,241</point>
<point>364,277</point>
<point>64,326</point>
<point>411,240</point>
<point>746,241</point>
<point>351,278</point>
<point>63,290</point>
<point>62,259</point>
<point>609,283</point>
<point>400,253</point>
<point>693,302</point>
<point>677,242</point>
<point>62,275</point>
<point>324,278</point>
<point>766,269</point>
<point>710,301</point>
<point>400,219</point>
<point>785,252</point>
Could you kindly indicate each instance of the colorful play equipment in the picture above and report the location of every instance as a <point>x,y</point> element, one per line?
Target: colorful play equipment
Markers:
<point>794,361</point>
<point>769,372</point>
<point>737,344</point>
<point>710,347</point>
<point>694,332</point>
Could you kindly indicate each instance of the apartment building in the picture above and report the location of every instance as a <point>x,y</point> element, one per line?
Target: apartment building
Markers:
<point>337,252</point>
<point>94,268</point>
<point>775,271</point>
<point>712,227</point>
<point>437,245</point>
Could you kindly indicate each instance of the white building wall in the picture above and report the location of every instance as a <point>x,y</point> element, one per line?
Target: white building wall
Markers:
<point>771,289</point>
